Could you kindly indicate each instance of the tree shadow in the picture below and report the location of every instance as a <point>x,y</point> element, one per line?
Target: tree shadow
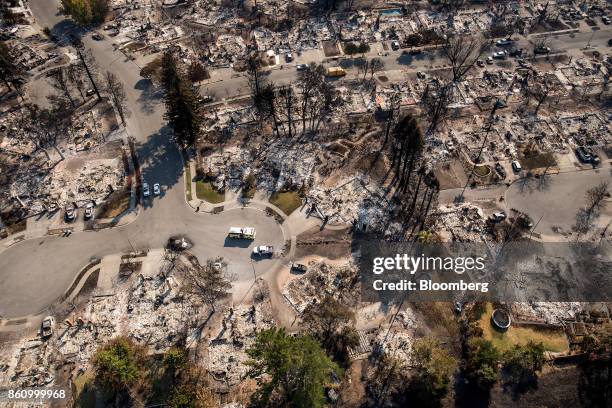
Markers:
<point>160,162</point>
<point>469,395</point>
<point>149,97</point>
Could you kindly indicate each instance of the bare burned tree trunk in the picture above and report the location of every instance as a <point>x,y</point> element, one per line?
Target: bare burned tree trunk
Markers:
<point>462,53</point>
<point>87,70</point>
<point>117,93</point>
<point>60,82</point>
<point>416,192</point>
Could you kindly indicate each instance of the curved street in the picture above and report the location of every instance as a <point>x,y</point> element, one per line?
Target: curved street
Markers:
<point>34,273</point>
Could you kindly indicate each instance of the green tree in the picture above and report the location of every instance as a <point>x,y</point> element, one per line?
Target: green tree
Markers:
<point>408,144</point>
<point>86,12</point>
<point>175,359</point>
<point>523,361</point>
<point>351,48</point>
<point>197,72</point>
<point>182,107</point>
<point>434,367</point>
<point>331,323</point>
<point>296,370</point>
<point>119,364</point>
<point>191,396</point>
<point>481,364</point>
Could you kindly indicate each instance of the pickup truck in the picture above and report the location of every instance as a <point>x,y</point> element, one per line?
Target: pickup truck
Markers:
<point>299,268</point>
<point>263,250</point>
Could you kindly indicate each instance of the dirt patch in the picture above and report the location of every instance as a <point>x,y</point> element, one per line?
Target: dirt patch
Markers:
<point>332,244</point>
<point>330,48</point>
<point>451,175</point>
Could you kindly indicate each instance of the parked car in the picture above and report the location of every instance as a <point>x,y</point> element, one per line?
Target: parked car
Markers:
<point>541,50</point>
<point>88,210</point>
<point>90,92</point>
<point>480,63</point>
<point>70,213</point>
<point>500,170</point>
<point>499,55</point>
<point>395,45</point>
<point>605,20</point>
<point>156,189</point>
<point>47,326</point>
<point>113,33</point>
<point>97,36</point>
<point>583,155</point>
<point>145,190</point>
<point>299,268</point>
<point>516,166</point>
<point>289,57</point>
<point>263,250</point>
<point>489,60</point>
<point>517,52</point>
<point>503,42</point>
<point>497,217</point>
<point>301,67</point>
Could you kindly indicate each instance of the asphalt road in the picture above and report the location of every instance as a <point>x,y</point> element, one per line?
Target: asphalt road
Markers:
<point>556,202</point>
<point>36,272</point>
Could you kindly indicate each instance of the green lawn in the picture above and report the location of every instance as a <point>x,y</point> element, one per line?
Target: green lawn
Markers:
<point>287,201</point>
<point>188,181</point>
<point>552,340</point>
<point>205,191</point>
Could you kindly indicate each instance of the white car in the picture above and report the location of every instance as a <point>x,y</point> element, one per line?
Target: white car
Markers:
<point>504,41</point>
<point>145,190</point>
<point>499,55</point>
<point>88,210</point>
<point>498,216</point>
<point>71,213</point>
<point>156,189</point>
<point>516,166</point>
<point>263,250</point>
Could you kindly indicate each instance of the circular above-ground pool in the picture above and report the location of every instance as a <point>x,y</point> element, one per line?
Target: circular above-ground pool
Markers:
<point>500,319</point>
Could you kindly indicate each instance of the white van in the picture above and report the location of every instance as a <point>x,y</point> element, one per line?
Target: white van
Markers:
<point>241,233</point>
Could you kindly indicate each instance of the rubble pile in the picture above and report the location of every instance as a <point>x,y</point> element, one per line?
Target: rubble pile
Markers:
<point>321,280</point>
<point>149,309</point>
<point>236,333</point>
<point>397,340</point>
<point>554,313</point>
<point>353,200</point>
<point>94,181</point>
<point>464,223</point>
<point>30,364</point>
